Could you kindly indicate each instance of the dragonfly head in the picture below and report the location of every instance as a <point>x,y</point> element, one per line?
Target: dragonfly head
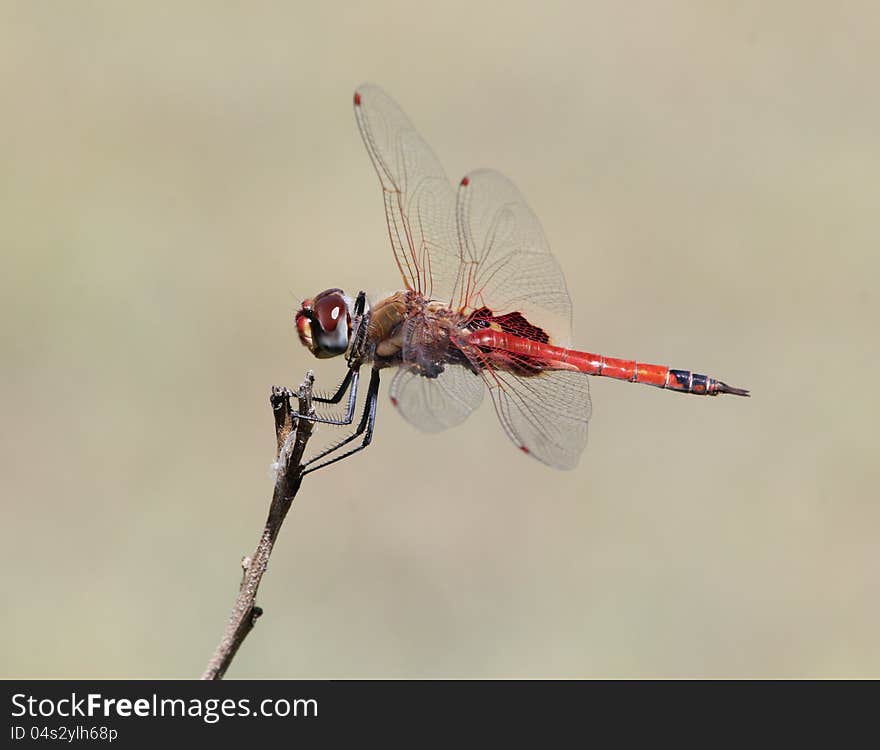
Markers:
<point>324,323</point>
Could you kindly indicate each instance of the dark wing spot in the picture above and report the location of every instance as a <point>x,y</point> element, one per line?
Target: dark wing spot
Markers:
<point>514,323</point>
<point>517,324</point>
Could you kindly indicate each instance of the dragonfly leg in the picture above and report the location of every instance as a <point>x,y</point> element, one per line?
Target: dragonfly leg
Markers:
<point>360,303</point>
<point>351,383</point>
<point>365,428</point>
<point>340,392</point>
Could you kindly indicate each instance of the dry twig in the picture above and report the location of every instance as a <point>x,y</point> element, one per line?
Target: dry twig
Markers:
<point>292,435</point>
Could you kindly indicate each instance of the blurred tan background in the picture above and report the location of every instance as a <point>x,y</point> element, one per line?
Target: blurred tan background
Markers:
<point>174,180</point>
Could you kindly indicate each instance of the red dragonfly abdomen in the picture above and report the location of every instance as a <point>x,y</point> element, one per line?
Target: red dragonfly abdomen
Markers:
<point>536,356</point>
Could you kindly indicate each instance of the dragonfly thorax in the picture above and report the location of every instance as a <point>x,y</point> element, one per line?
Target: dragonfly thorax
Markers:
<point>407,328</point>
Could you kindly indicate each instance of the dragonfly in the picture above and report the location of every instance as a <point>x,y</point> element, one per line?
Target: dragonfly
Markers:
<point>484,308</point>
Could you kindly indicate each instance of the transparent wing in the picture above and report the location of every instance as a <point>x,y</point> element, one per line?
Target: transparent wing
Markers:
<point>435,404</point>
<point>507,265</point>
<point>419,201</point>
<point>483,247</point>
<point>545,415</point>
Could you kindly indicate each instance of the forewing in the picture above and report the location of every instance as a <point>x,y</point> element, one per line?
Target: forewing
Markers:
<point>545,415</point>
<point>507,264</point>
<point>419,201</point>
<point>435,404</point>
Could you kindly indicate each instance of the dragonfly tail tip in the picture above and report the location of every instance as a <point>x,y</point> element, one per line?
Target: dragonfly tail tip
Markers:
<point>724,388</point>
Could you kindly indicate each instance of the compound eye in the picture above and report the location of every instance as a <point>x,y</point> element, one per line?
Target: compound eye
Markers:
<point>330,311</point>
<point>330,323</point>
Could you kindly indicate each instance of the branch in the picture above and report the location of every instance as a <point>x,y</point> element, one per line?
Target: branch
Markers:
<point>292,437</point>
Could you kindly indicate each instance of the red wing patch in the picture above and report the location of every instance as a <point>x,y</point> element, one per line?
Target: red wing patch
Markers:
<point>513,323</point>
